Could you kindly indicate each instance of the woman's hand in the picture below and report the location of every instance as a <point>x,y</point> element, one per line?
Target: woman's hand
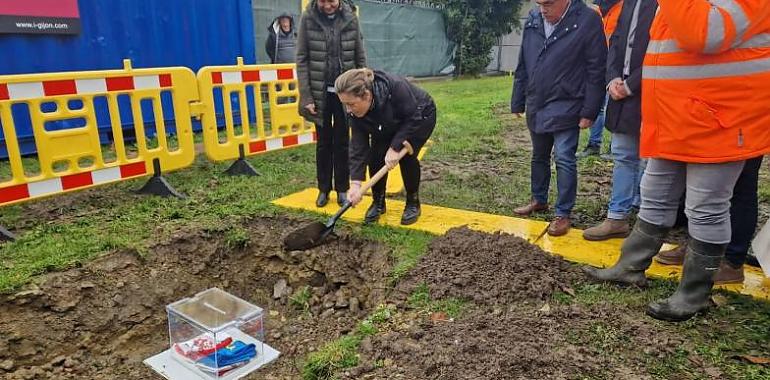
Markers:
<point>311,108</point>
<point>354,193</point>
<point>391,158</point>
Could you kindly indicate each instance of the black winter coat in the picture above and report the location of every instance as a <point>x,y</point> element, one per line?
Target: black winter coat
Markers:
<point>398,114</point>
<point>560,80</point>
<point>625,116</point>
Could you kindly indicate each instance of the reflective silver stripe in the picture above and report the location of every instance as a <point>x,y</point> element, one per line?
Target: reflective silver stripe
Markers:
<point>758,41</point>
<point>663,47</point>
<point>718,70</point>
<point>715,33</point>
<point>740,20</point>
<point>670,46</point>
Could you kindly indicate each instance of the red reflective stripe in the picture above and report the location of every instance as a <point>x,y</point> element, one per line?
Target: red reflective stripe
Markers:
<point>250,76</point>
<point>284,74</point>
<point>315,136</point>
<point>165,80</point>
<point>133,170</point>
<point>13,193</point>
<point>290,140</point>
<point>76,180</point>
<point>4,92</point>
<point>257,146</point>
<point>59,87</point>
<point>216,78</point>
<point>120,83</point>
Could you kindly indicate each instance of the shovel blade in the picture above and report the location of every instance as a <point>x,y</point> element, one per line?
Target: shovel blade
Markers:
<point>309,236</point>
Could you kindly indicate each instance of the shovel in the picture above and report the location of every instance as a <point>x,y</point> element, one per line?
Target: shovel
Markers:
<point>313,234</point>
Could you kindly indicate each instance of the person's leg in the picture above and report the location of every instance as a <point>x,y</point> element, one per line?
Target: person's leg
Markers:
<point>540,173</point>
<point>410,173</point>
<point>376,162</point>
<point>565,144</point>
<point>707,205</point>
<point>323,158</point>
<point>743,213</point>
<point>341,141</point>
<point>662,186</point>
<point>625,189</point>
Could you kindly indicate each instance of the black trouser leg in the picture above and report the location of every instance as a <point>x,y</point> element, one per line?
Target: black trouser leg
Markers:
<point>743,213</point>
<point>341,138</point>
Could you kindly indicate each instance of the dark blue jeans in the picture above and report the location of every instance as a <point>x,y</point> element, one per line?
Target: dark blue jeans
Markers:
<point>565,143</point>
<point>743,212</point>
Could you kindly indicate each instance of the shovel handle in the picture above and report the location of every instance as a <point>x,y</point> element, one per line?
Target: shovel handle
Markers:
<point>384,170</point>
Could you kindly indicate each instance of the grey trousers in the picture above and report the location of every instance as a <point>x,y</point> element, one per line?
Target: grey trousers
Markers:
<point>707,206</point>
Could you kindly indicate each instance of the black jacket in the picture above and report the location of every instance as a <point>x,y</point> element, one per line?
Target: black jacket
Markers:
<point>561,79</point>
<point>397,115</point>
<point>625,116</point>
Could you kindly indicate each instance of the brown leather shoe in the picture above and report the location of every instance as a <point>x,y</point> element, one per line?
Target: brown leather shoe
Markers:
<point>559,226</point>
<point>608,229</point>
<point>533,206</point>
<point>727,274</point>
<point>672,257</point>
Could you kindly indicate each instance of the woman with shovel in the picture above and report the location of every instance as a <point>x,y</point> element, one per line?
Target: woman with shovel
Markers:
<point>388,114</point>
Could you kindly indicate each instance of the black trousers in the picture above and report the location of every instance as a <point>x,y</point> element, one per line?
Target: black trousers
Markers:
<point>410,165</point>
<point>331,156</point>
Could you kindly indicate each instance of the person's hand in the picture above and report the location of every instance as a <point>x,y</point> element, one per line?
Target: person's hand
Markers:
<point>354,193</point>
<point>391,158</point>
<point>311,108</point>
<point>617,89</point>
<point>585,123</point>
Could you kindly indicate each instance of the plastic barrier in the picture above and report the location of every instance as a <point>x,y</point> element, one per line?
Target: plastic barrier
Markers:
<point>61,107</point>
<point>260,107</point>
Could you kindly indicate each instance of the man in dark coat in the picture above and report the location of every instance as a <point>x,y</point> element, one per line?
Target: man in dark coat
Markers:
<point>281,44</point>
<point>560,84</point>
<point>329,43</point>
<point>628,46</point>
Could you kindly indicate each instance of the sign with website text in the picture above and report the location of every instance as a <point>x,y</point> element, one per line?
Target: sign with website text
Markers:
<point>39,16</point>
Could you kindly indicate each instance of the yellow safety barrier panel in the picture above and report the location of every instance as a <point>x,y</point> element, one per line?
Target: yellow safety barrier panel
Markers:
<point>243,94</point>
<point>62,110</point>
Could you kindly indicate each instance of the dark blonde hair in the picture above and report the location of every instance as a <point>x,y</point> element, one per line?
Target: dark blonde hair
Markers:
<point>355,82</point>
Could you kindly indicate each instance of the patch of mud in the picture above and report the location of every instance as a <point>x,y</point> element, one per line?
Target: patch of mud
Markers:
<point>489,269</point>
<point>100,321</point>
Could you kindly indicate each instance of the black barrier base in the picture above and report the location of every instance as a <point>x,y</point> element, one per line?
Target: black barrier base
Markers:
<point>242,167</point>
<point>6,235</point>
<point>157,185</point>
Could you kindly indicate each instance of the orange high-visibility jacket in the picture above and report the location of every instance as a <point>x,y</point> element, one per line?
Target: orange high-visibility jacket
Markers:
<point>706,81</point>
<point>611,19</point>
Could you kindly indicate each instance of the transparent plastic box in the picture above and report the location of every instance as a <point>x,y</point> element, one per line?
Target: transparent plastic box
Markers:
<point>216,335</point>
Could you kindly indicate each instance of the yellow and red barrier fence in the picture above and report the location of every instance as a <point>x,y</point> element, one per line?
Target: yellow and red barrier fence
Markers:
<point>61,109</point>
<point>260,105</point>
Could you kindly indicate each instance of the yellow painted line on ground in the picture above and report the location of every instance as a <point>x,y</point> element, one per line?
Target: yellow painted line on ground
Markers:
<point>434,219</point>
<point>437,220</point>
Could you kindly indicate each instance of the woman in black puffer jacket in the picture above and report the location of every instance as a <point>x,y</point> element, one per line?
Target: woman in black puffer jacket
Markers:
<point>386,111</point>
<point>329,43</point>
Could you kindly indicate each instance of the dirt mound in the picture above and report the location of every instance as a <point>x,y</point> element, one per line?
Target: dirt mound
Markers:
<point>489,269</point>
<point>100,321</point>
<point>518,343</point>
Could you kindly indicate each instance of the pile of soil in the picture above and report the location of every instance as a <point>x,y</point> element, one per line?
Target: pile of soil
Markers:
<point>489,269</point>
<point>512,328</point>
<point>100,321</point>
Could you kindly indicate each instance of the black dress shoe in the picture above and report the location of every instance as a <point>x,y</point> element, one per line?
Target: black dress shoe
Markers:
<point>342,197</point>
<point>322,200</point>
